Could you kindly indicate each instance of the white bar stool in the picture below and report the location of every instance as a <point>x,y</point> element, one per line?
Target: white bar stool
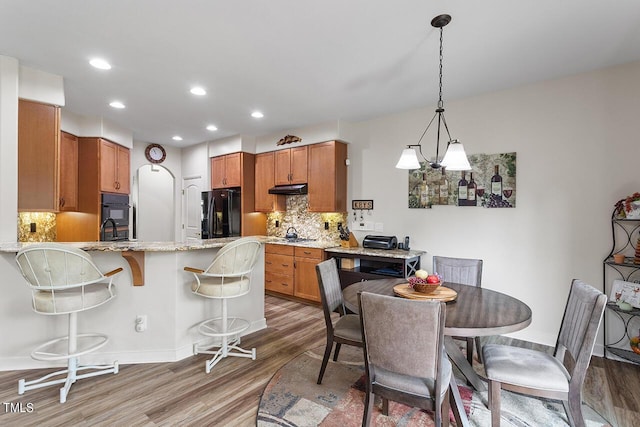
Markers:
<point>228,276</point>
<point>64,280</point>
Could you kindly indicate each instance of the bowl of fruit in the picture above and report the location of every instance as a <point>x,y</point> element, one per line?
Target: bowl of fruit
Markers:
<point>424,282</point>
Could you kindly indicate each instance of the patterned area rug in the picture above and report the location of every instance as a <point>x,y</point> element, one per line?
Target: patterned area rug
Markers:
<point>293,399</point>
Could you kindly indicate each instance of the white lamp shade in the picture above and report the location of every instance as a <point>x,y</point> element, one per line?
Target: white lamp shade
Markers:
<point>455,159</point>
<point>408,160</point>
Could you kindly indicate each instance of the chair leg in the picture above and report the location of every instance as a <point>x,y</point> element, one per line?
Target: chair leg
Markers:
<point>573,408</point>
<point>368,408</point>
<point>494,402</point>
<point>335,353</point>
<point>478,349</point>
<point>444,410</point>
<point>385,406</point>
<point>325,359</point>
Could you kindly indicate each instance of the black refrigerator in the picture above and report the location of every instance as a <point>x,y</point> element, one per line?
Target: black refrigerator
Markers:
<point>221,213</point>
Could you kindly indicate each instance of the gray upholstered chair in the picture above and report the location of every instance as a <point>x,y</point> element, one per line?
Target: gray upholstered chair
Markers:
<point>404,352</point>
<point>228,276</point>
<point>64,280</point>
<point>467,272</point>
<point>554,377</point>
<point>346,329</point>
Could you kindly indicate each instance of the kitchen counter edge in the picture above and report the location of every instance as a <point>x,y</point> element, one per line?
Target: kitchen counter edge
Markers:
<point>140,246</point>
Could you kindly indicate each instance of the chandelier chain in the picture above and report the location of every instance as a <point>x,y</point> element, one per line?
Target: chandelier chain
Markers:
<point>440,103</point>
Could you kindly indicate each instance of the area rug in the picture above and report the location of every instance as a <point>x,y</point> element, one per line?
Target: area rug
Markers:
<point>293,399</point>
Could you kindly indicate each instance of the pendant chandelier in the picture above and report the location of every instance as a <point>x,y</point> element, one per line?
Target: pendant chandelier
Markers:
<point>455,158</point>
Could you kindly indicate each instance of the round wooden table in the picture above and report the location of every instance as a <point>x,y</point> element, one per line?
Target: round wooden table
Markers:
<point>475,312</point>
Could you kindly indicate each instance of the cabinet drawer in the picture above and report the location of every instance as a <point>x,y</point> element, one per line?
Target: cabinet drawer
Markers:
<point>278,283</point>
<point>278,264</point>
<point>302,252</point>
<point>278,249</point>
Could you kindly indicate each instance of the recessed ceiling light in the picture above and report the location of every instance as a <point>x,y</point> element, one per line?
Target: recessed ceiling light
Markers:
<point>257,115</point>
<point>197,90</point>
<point>117,104</point>
<point>100,63</point>
<point>177,138</point>
<point>212,128</point>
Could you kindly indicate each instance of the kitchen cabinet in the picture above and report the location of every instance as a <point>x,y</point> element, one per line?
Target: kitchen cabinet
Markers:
<point>291,270</point>
<point>327,177</point>
<point>114,167</point>
<point>265,170</point>
<point>38,156</point>
<point>103,166</point>
<point>291,166</point>
<point>226,171</point>
<point>68,200</point>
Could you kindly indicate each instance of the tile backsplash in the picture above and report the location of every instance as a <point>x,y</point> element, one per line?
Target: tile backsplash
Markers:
<point>45,227</point>
<point>309,225</point>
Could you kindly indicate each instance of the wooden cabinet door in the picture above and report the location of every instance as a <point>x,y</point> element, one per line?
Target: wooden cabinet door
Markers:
<point>68,200</point>
<point>299,164</point>
<point>233,170</point>
<point>306,279</point>
<point>38,156</point>
<point>264,180</point>
<point>122,170</point>
<point>108,169</point>
<point>217,172</point>
<point>283,167</point>
<point>328,177</point>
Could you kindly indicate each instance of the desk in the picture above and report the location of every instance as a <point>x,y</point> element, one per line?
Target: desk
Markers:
<point>476,312</point>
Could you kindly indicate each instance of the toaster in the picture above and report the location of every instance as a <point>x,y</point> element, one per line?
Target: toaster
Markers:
<point>380,242</point>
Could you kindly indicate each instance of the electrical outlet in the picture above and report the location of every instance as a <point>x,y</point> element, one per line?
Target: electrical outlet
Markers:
<point>141,322</point>
<point>32,227</point>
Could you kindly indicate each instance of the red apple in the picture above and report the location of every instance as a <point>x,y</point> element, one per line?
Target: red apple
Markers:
<point>432,278</point>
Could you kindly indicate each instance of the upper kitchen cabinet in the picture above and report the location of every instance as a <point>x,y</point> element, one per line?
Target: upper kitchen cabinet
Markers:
<point>265,174</point>
<point>291,166</point>
<point>226,171</point>
<point>328,177</point>
<point>68,200</point>
<point>114,167</point>
<point>38,156</point>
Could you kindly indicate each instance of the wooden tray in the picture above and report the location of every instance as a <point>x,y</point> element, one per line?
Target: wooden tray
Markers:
<point>441,294</point>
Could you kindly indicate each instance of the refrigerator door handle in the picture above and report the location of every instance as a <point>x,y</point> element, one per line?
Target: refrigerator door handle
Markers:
<point>212,216</point>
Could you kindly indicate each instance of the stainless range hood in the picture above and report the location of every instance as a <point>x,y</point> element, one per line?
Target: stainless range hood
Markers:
<point>289,189</point>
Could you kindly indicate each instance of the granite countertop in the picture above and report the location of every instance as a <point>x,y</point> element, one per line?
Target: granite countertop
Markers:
<point>392,253</point>
<point>139,246</point>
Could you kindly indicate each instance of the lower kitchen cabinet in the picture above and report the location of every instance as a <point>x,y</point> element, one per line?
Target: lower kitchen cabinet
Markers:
<point>291,271</point>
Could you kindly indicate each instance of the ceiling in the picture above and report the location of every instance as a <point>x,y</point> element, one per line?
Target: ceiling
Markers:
<point>302,62</point>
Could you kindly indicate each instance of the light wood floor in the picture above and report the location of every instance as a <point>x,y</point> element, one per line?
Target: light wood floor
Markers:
<point>182,394</point>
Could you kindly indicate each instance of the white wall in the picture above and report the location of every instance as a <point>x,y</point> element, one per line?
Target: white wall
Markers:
<point>576,142</point>
<point>8,149</point>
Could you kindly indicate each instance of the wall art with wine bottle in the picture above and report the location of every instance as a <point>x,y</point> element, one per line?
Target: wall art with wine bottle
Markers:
<point>491,183</point>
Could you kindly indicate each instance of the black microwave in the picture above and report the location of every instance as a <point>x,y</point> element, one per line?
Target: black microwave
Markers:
<point>114,218</point>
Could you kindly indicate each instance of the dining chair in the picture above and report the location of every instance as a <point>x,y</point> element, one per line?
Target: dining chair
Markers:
<point>228,276</point>
<point>65,280</point>
<point>346,330</point>
<point>537,373</point>
<point>405,360</point>
<point>465,271</point>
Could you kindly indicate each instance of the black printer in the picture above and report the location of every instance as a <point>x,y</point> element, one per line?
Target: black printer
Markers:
<point>380,242</point>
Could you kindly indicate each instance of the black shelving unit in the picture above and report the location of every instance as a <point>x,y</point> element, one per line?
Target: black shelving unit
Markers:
<point>624,233</point>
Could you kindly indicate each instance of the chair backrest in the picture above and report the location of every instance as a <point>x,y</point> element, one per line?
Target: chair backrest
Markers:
<point>330,289</point>
<point>401,335</point>
<point>459,270</point>
<point>51,266</point>
<point>579,328</point>
<point>236,258</point>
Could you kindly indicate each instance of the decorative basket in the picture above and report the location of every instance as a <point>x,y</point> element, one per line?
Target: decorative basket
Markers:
<point>420,285</point>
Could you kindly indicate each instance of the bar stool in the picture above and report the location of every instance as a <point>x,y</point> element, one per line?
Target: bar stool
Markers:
<point>228,276</point>
<point>64,280</point>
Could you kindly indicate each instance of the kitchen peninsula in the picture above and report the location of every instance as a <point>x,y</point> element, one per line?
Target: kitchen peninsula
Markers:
<point>172,311</point>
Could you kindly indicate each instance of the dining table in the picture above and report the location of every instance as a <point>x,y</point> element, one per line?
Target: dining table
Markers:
<point>474,312</point>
